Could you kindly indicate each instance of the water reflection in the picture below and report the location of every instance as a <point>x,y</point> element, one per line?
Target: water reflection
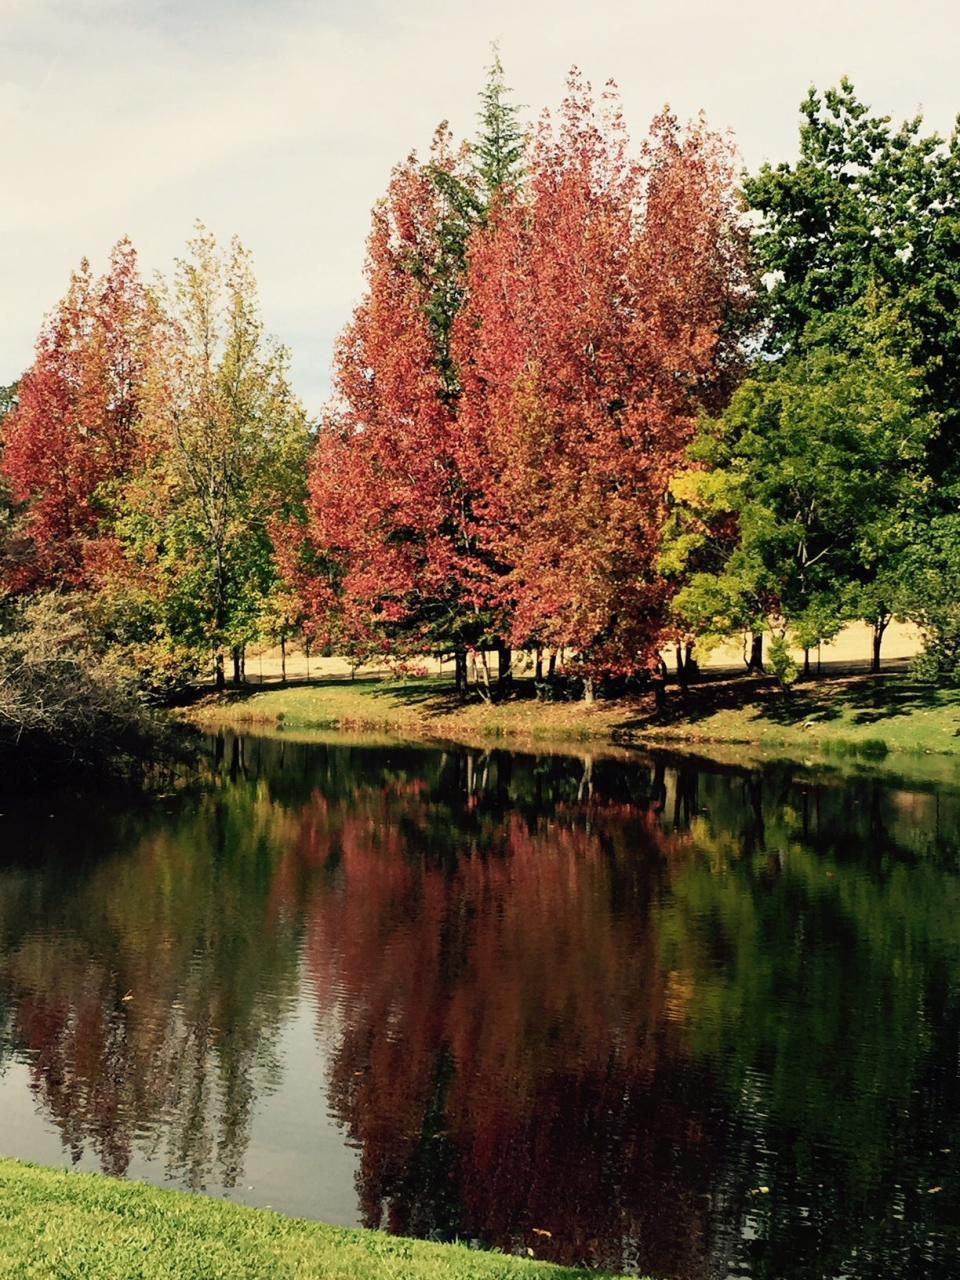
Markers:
<point>650,1015</point>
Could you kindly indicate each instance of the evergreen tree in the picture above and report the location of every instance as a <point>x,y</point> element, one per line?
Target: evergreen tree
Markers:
<point>399,568</point>
<point>469,184</point>
<point>498,153</point>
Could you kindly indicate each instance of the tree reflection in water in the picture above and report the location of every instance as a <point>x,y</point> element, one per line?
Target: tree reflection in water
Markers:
<point>585,1006</point>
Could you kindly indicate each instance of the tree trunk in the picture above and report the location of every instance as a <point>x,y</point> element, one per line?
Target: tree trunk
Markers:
<point>219,680</point>
<point>691,668</point>
<point>552,665</point>
<point>756,653</point>
<point>879,627</point>
<point>539,671</point>
<point>504,666</point>
<point>283,659</point>
<point>806,664</point>
<point>658,679</point>
<point>485,692</point>
<point>588,689</point>
<point>658,787</point>
<point>460,671</point>
<point>235,654</point>
<point>681,668</point>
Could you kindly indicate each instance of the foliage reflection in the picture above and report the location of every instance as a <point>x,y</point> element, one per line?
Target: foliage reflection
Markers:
<point>645,1013</point>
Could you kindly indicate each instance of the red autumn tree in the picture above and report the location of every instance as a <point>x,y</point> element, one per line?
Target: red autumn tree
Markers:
<point>390,560</point>
<point>73,429</point>
<point>597,325</point>
<point>382,489</point>
<point>385,501</point>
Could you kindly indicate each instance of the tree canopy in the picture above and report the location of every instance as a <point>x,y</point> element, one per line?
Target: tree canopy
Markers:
<point>595,397</point>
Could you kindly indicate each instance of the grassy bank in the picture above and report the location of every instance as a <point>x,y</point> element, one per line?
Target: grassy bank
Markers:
<point>67,1225</point>
<point>839,713</point>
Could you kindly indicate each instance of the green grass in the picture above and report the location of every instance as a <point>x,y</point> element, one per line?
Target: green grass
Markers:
<point>424,707</point>
<point>861,716</point>
<point>71,1225</point>
<point>854,715</point>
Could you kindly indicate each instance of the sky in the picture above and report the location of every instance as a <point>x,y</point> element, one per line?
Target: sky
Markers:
<point>279,120</point>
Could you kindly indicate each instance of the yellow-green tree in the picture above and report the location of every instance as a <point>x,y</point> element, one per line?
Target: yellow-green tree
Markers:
<point>224,443</point>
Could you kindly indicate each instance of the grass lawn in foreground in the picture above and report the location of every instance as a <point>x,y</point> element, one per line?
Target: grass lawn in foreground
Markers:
<point>839,712</point>
<point>71,1225</point>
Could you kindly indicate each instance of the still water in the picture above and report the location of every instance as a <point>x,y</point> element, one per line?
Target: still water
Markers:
<point>643,1013</point>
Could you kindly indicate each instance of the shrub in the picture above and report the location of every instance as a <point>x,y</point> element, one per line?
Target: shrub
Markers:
<point>782,663</point>
<point>63,703</point>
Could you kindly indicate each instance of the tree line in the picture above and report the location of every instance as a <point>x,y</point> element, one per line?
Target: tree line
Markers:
<point>595,399</point>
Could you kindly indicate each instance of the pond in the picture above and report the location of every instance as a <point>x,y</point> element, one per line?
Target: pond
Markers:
<point>645,1013</point>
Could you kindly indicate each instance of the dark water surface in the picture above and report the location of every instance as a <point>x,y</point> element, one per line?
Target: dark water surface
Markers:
<point>647,1014</point>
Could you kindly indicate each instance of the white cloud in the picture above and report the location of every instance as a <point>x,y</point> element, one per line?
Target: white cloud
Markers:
<point>280,120</point>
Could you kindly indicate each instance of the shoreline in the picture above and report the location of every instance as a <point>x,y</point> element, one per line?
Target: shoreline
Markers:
<point>867,719</point>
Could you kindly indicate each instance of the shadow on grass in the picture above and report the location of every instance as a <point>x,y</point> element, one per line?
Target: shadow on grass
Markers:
<point>859,698</point>
<point>431,695</point>
<point>847,694</point>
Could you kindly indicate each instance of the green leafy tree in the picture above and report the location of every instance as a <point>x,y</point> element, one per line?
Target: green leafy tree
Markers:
<point>8,399</point>
<point>867,204</point>
<point>800,499</point>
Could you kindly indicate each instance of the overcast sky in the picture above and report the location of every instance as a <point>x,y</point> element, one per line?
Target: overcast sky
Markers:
<point>280,120</point>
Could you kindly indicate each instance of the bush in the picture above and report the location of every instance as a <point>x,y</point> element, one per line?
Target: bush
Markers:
<point>939,663</point>
<point>63,703</point>
<point>127,623</point>
<point>931,575</point>
<point>782,663</point>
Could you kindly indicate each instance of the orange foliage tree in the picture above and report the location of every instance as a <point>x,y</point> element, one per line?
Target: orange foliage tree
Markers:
<point>389,559</point>
<point>73,430</point>
<point>517,388</point>
<point>600,320</point>
<point>386,501</point>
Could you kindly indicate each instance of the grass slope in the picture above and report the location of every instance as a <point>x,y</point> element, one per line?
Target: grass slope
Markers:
<point>840,712</point>
<point>419,707</point>
<point>66,1225</point>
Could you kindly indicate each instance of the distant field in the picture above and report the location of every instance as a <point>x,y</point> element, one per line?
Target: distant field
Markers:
<point>853,645</point>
